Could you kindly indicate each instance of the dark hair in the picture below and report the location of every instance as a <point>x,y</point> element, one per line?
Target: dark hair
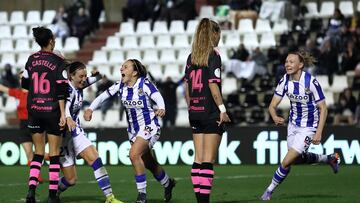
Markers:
<point>139,67</point>
<point>74,66</point>
<point>42,35</point>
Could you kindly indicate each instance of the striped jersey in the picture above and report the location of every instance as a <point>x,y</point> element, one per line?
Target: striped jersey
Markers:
<point>303,95</point>
<point>75,98</point>
<point>137,102</point>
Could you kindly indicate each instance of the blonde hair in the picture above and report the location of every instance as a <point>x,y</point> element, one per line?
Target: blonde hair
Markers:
<point>305,57</point>
<point>206,37</point>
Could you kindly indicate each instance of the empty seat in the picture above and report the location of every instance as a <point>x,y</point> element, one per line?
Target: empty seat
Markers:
<point>105,70</point>
<point>327,9</point>
<point>143,28</point>
<point>206,12</point>
<point>2,119</point>
<point>250,41</point>
<point>267,40</point>
<point>284,104</point>
<point>71,44</point>
<point>229,85</point>
<point>99,57</point>
<point>182,118</point>
<point>7,58</point>
<point>312,10</point>
<point>339,84</point>
<point>181,41</point>
<point>245,26</point>
<point>33,18</point>
<point>346,7</point>
<point>191,26</point>
<point>35,47</point>
<point>134,54</point>
<point>59,44</point>
<point>11,105</point>
<point>323,81</point>
<point>156,71</point>
<point>48,17</point>
<point>3,18</point>
<point>167,56</point>
<point>22,59</point>
<point>329,98</point>
<point>126,28</point>
<point>150,56</point>
<point>172,70</point>
<point>358,6</point>
<point>112,43</point>
<point>160,27</point>
<point>163,41</point>
<point>224,55</point>
<point>116,57</point>
<point>6,45</point>
<point>232,39</point>
<point>20,31</point>
<point>147,42</point>
<point>183,54</point>
<point>280,26</point>
<point>177,27</point>
<point>262,26</point>
<point>5,31</point>
<point>112,118</point>
<point>17,17</point>
<point>129,42</point>
<point>22,45</point>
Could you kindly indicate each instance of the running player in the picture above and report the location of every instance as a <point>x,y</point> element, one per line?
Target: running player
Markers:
<point>207,112</point>
<point>45,78</point>
<point>306,120</point>
<point>77,144</point>
<point>136,93</point>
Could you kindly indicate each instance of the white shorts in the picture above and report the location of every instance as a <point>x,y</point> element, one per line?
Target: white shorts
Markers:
<point>72,146</point>
<point>150,133</point>
<point>299,138</point>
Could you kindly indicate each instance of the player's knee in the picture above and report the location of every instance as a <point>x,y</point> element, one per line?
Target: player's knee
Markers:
<point>72,180</point>
<point>134,156</point>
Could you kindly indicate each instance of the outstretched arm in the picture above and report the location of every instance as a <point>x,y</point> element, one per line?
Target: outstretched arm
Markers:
<point>95,76</point>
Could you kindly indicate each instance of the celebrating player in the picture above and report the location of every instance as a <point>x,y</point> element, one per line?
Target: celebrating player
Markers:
<point>46,79</point>
<point>77,144</point>
<point>306,120</point>
<point>136,93</point>
<point>207,112</point>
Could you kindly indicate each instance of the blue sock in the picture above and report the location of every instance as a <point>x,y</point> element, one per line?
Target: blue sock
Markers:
<point>63,185</point>
<point>141,183</point>
<point>279,176</point>
<point>102,177</point>
<point>163,178</point>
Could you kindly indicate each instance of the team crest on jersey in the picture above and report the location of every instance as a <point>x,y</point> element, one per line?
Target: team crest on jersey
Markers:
<point>307,91</point>
<point>217,72</point>
<point>141,92</point>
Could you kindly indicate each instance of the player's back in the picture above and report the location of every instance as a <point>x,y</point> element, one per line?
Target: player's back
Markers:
<point>202,105</point>
<point>44,70</point>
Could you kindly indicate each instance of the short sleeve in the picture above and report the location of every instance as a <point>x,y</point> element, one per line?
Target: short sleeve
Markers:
<point>316,89</point>
<point>149,87</point>
<point>214,68</point>
<point>280,89</point>
<point>15,93</point>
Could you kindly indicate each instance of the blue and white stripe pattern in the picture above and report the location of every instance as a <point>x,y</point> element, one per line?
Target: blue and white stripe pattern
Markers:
<point>304,95</point>
<point>102,177</point>
<point>279,175</point>
<point>137,102</point>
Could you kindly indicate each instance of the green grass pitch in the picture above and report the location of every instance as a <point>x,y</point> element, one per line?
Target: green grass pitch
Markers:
<point>232,184</point>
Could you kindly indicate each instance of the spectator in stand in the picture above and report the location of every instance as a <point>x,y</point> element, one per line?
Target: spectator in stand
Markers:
<point>357,112</point>
<point>168,90</point>
<point>8,78</point>
<point>60,24</point>
<point>328,61</point>
<point>177,10</point>
<point>260,61</point>
<point>241,53</point>
<point>96,6</point>
<point>345,107</point>
<point>136,10</point>
<point>103,85</point>
<point>350,57</point>
<point>311,47</point>
<point>334,27</point>
<point>81,25</point>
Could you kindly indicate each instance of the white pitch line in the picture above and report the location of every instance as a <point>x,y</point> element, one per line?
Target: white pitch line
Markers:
<point>176,178</point>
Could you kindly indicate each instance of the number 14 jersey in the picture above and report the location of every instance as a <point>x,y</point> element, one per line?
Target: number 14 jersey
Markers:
<point>202,105</point>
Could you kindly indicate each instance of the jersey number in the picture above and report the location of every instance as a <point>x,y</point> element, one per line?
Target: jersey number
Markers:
<point>195,76</point>
<point>41,84</point>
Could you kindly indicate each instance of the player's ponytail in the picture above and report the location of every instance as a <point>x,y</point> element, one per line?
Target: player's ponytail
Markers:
<point>305,57</point>
<point>42,36</point>
<point>139,67</point>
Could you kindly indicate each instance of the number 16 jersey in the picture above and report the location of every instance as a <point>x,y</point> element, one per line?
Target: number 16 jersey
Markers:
<point>202,105</point>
